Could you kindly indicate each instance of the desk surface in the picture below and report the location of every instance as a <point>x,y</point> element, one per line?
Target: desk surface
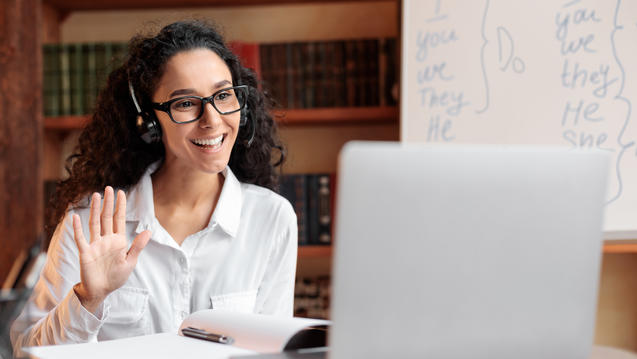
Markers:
<point>601,352</point>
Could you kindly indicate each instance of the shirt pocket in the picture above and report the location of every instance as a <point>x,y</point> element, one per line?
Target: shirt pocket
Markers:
<point>128,310</point>
<point>242,302</point>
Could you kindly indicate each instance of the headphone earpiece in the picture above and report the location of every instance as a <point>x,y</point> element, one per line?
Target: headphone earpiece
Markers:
<point>148,128</point>
<point>245,115</point>
<point>147,125</point>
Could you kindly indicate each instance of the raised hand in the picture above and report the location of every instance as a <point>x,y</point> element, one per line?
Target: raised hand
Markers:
<point>105,263</point>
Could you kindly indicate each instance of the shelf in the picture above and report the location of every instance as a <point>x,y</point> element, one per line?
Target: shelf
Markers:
<point>337,115</point>
<point>291,117</point>
<point>83,5</point>
<point>65,122</point>
<point>620,247</point>
<point>315,251</point>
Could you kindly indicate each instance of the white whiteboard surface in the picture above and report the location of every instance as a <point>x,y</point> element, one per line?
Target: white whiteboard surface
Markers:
<point>558,72</point>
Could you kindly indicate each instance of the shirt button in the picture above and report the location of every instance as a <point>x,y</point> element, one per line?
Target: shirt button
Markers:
<point>182,261</point>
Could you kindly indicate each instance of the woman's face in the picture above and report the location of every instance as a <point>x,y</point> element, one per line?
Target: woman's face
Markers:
<point>205,144</point>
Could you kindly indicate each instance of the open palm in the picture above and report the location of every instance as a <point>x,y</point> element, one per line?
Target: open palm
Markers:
<point>107,262</point>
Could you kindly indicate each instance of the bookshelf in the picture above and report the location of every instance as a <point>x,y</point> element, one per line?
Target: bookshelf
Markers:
<point>291,117</point>
<point>82,5</point>
<point>330,126</point>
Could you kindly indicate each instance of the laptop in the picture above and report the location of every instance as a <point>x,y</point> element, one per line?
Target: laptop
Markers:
<point>466,251</point>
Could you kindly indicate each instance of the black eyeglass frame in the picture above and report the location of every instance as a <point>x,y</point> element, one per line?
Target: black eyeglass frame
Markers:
<point>165,106</point>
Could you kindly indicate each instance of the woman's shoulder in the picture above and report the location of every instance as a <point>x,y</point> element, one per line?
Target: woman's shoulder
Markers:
<point>265,199</point>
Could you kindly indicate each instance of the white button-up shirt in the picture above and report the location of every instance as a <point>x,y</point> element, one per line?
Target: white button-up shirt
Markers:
<point>244,260</point>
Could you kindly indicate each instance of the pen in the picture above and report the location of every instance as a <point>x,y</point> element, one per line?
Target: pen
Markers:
<point>202,334</point>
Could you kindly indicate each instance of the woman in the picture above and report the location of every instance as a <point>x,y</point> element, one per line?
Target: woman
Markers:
<point>184,134</point>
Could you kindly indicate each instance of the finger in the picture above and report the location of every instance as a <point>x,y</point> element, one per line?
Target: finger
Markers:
<point>107,211</point>
<point>136,248</point>
<point>119,226</point>
<point>94,217</point>
<point>78,235</point>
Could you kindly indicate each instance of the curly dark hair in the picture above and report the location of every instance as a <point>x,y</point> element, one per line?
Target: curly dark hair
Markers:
<point>110,150</point>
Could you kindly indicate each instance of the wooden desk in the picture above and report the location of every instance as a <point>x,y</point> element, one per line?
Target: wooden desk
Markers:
<point>601,352</point>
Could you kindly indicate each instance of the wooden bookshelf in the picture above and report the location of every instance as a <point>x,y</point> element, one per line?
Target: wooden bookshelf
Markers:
<point>315,251</point>
<point>292,117</point>
<point>83,5</point>
<point>620,247</point>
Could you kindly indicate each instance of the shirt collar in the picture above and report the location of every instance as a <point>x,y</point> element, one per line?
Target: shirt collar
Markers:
<point>228,210</point>
<point>139,200</point>
<point>140,206</point>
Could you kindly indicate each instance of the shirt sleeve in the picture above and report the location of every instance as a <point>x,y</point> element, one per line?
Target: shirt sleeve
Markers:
<point>276,293</point>
<point>53,314</point>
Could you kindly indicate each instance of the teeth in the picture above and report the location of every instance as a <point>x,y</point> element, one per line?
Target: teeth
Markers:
<point>208,142</point>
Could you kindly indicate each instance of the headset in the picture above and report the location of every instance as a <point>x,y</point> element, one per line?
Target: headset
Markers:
<point>150,131</point>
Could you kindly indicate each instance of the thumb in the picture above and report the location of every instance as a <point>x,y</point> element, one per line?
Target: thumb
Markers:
<point>138,244</point>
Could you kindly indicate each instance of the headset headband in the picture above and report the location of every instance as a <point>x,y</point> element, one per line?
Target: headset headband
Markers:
<point>132,95</point>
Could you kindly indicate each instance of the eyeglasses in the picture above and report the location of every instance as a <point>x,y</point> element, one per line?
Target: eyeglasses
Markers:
<point>190,108</point>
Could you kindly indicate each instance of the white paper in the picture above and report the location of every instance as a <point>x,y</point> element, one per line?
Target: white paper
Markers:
<point>164,345</point>
<point>261,333</point>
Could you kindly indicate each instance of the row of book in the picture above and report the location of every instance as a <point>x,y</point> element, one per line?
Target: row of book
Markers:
<point>74,73</point>
<point>312,297</point>
<point>349,73</point>
<point>312,196</point>
<point>344,73</point>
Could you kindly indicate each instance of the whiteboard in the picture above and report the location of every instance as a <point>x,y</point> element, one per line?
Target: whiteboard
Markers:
<point>547,72</point>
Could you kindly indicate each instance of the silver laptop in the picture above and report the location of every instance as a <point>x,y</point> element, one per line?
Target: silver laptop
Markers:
<point>466,252</point>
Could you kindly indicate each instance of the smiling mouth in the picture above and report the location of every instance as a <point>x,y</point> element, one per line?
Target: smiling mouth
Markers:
<point>209,142</point>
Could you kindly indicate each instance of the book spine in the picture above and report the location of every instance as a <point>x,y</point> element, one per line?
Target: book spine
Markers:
<point>108,60</point>
<point>351,73</point>
<point>248,54</point>
<point>50,81</point>
<point>324,209</point>
<point>391,72</point>
<point>65,81</point>
<point>293,188</point>
<point>100,67</point>
<point>297,70</point>
<point>308,67</point>
<point>319,195</point>
<point>312,209</point>
<point>382,71</point>
<point>361,94</point>
<point>90,76</point>
<point>373,72</point>
<point>338,86</point>
<point>320,74</point>
<point>264,65</point>
<point>288,69</point>
<point>77,79</point>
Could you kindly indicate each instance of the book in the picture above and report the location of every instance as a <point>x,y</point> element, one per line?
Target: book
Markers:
<point>251,334</point>
<point>319,209</point>
<point>293,188</point>
<point>248,54</point>
<point>76,79</point>
<point>51,79</point>
<point>89,65</point>
<point>65,80</point>
<point>312,296</point>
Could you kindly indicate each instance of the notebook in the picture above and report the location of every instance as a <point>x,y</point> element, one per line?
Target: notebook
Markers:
<point>466,251</point>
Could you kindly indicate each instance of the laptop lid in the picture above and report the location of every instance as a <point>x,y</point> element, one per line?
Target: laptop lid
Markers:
<point>469,251</point>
